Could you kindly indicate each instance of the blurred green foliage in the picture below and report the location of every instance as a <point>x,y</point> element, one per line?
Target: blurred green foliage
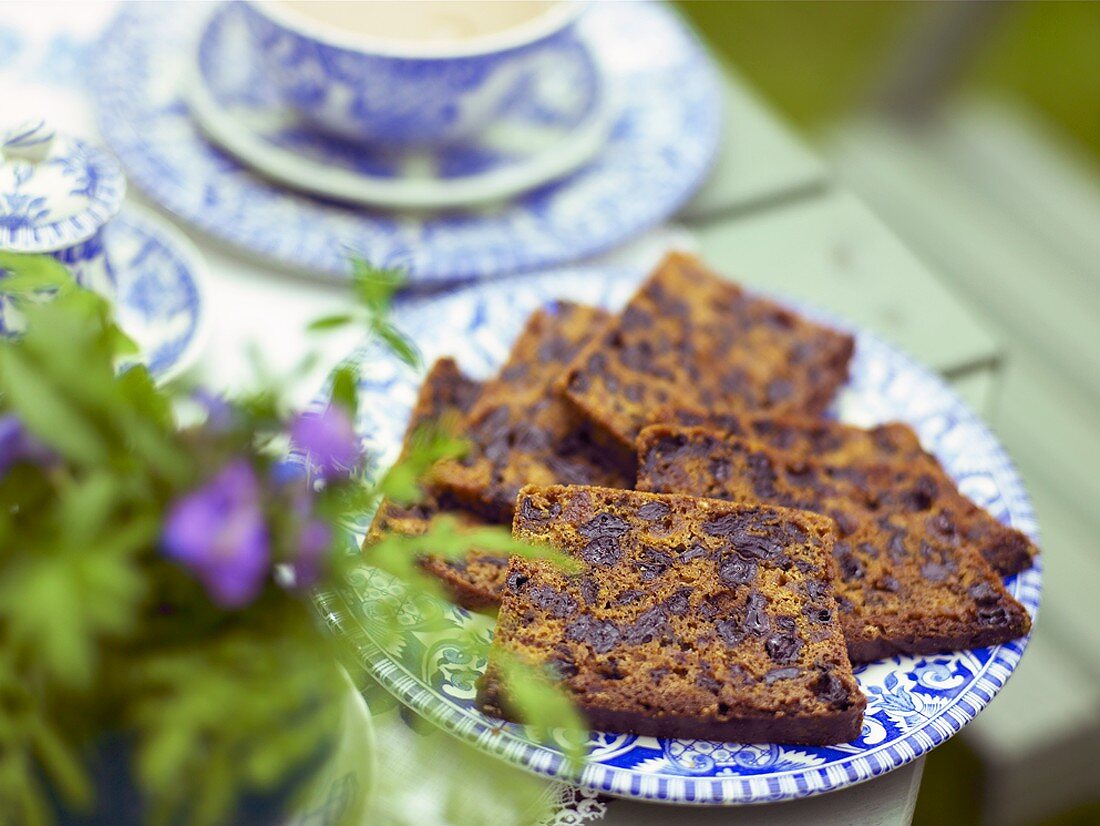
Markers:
<point>817,61</point>
<point>104,637</point>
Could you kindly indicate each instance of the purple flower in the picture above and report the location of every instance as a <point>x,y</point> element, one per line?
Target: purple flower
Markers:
<point>314,537</point>
<point>313,542</point>
<point>218,532</point>
<point>219,413</point>
<point>17,445</point>
<point>329,441</point>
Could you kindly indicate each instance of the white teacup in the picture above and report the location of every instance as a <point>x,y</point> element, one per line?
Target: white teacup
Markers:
<point>408,74</point>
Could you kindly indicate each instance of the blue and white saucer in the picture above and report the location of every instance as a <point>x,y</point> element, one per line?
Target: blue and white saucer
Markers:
<point>664,136</point>
<point>550,127</point>
<point>160,300</point>
<point>913,703</point>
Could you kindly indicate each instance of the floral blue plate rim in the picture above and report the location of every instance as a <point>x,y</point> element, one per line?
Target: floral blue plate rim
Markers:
<point>914,703</point>
<point>660,148</point>
<point>82,181</point>
<point>162,301</point>
<point>239,109</point>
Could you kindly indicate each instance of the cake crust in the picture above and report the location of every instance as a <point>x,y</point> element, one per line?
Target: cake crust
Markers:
<point>690,618</point>
<point>886,459</point>
<point>689,336</point>
<point>908,580</point>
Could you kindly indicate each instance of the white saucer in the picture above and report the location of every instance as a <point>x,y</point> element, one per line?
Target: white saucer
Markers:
<point>554,125</point>
<point>161,301</point>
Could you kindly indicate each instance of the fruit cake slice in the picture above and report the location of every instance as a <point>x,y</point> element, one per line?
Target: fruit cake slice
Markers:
<point>690,337</point>
<point>908,580</point>
<point>922,487</point>
<point>887,459</point>
<point>475,582</point>
<point>691,617</point>
<point>825,440</point>
<point>522,433</point>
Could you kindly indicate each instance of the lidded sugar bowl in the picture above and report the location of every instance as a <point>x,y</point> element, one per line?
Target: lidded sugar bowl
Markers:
<point>57,194</point>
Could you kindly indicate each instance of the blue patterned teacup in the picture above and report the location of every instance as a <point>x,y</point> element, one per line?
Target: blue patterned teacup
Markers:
<point>390,91</point>
<point>57,194</point>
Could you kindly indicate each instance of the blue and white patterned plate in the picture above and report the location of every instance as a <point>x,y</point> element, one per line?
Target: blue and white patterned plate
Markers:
<point>659,150</point>
<point>914,703</point>
<point>160,300</point>
<point>550,127</point>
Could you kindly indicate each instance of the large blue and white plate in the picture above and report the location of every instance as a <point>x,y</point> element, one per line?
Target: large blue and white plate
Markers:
<point>160,300</point>
<point>914,703</point>
<point>659,149</point>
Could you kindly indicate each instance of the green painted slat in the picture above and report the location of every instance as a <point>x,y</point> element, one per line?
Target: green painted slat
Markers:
<point>1049,185</point>
<point>977,249</point>
<point>761,160</point>
<point>978,388</point>
<point>831,250</point>
<point>1050,426</point>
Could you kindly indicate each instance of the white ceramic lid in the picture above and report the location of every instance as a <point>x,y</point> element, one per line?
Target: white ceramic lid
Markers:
<point>55,190</point>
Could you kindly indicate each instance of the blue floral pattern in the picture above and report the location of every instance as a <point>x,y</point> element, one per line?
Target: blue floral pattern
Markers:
<point>914,703</point>
<point>160,304</point>
<point>393,100</point>
<point>660,150</point>
<point>22,210</point>
<point>156,278</point>
<point>554,121</point>
<point>79,168</point>
<point>55,192</point>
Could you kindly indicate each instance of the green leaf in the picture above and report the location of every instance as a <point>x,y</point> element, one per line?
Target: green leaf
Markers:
<point>374,286</point>
<point>345,389</point>
<point>397,556</point>
<point>62,763</point>
<point>40,598</point>
<point>544,709</point>
<point>85,507</point>
<point>234,714</point>
<point>330,322</point>
<point>22,274</point>
<point>399,343</point>
<point>500,541</point>
<point>141,393</point>
<point>122,344</point>
<point>402,484</point>
<point>47,412</point>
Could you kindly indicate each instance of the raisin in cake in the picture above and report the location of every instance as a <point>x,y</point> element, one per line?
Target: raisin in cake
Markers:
<point>475,582</point>
<point>689,336</point>
<point>522,433</point>
<point>908,580</point>
<point>691,617</point>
